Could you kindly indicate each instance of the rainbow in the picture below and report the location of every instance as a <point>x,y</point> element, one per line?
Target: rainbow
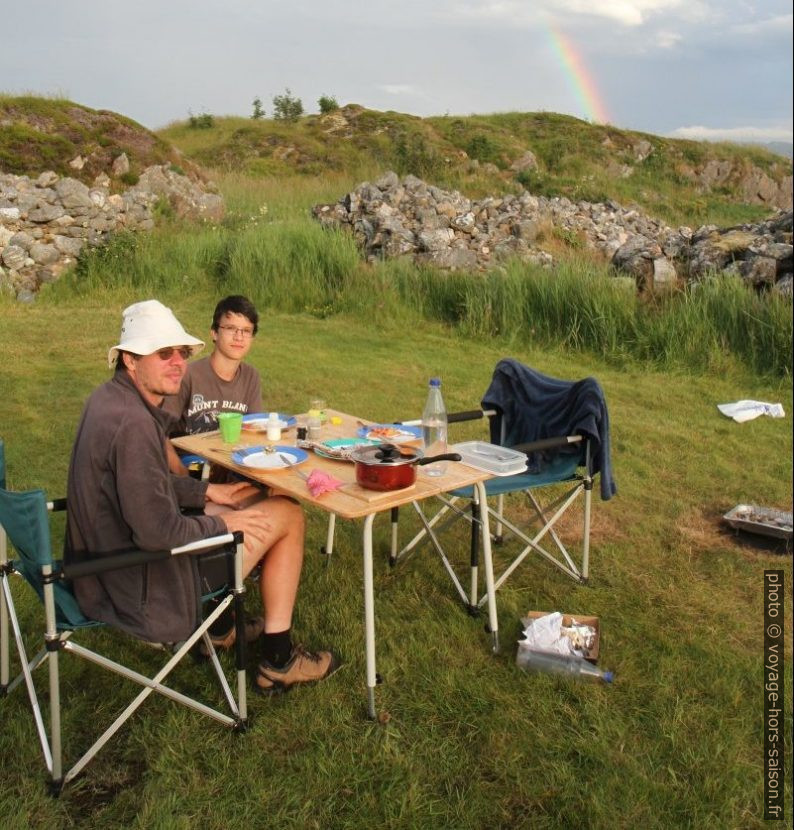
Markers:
<point>580,81</point>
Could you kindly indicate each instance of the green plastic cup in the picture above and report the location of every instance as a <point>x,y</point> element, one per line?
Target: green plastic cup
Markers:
<point>230,425</point>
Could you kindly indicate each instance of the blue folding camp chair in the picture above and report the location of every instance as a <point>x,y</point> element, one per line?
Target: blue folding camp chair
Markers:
<point>24,521</point>
<point>563,428</point>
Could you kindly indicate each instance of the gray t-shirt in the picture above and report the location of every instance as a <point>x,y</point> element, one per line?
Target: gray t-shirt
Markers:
<point>203,395</point>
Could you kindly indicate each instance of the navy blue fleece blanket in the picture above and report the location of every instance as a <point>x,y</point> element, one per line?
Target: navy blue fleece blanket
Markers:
<point>534,406</point>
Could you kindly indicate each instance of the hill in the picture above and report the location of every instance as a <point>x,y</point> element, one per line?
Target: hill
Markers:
<point>680,181</point>
<point>38,134</point>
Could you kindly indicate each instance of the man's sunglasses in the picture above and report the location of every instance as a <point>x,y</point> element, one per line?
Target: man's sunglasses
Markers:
<point>167,354</point>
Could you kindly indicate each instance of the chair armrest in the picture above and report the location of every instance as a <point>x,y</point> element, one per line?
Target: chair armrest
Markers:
<point>129,559</point>
<point>56,505</point>
<point>456,417</point>
<point>469,415</point>
<point>548,443</point>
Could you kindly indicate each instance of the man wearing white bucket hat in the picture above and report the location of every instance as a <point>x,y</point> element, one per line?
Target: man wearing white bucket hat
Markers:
<point>121,495</point>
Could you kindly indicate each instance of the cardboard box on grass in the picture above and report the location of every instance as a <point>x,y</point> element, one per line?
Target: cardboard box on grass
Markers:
<point>582,619</point>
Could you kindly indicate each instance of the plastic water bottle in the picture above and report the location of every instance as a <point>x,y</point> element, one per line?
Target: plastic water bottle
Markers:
<point>434,427</point>
<point>551,663</point>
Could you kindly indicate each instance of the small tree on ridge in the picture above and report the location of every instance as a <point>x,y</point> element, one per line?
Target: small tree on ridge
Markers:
<point>286,107</point>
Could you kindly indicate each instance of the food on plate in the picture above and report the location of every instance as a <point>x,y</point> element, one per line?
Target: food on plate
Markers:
<point>258,424</point>
<point>385,432</point>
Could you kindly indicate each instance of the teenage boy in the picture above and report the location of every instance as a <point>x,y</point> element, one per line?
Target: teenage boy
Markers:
<point>121,496</point>
<point>221,382</point>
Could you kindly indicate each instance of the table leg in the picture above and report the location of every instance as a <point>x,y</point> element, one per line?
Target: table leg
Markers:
<point>369,616</point>
<point>485,525</point>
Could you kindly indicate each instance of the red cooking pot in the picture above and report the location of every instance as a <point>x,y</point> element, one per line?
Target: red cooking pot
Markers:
<point>387,467</point>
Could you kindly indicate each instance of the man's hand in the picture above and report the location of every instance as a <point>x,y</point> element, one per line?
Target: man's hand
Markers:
<point>232,495</point>
<point>252,522</point>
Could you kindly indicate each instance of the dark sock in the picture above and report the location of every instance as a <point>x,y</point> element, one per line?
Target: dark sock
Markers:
<point>223,625</point>
<point>277,648</point>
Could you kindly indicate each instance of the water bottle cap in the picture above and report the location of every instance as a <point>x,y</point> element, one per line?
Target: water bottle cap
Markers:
<point>435,382</point>
<point>608,676</point>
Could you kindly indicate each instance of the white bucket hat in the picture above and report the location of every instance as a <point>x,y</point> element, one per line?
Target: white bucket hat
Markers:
<point>149,326</point>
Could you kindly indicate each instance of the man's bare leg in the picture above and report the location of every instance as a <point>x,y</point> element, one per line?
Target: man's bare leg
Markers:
<point>281,553</point>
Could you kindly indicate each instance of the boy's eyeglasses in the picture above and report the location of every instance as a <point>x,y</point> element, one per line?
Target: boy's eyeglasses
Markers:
<point>233,330</point>
<point>167,354</point>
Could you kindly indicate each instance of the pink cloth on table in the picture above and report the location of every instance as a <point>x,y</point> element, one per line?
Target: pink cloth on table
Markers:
<point>319,482</point>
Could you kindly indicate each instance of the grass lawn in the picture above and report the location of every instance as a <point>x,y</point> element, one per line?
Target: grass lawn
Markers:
<point>465,740</point>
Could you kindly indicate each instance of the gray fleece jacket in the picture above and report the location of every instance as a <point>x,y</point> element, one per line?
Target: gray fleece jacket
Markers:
<point>121,496</point>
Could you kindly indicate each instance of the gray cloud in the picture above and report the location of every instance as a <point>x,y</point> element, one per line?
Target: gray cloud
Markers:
<point>655,64</point>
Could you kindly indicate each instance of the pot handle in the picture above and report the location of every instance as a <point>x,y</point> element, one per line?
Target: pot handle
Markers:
<point>447,456</point>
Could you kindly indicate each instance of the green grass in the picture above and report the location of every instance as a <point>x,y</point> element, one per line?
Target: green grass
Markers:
<point>270,248</point>
<point>467,741</point>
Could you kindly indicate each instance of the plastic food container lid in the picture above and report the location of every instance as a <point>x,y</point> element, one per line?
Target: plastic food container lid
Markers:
<point>500,461</point>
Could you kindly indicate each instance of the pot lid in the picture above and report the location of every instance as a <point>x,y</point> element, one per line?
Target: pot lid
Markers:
<point>390,454</point>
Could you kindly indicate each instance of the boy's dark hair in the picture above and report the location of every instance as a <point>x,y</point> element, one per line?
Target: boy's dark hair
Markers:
<point>235,304</point>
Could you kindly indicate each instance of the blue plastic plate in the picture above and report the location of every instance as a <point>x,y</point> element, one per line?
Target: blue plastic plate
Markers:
<point>282,458</point>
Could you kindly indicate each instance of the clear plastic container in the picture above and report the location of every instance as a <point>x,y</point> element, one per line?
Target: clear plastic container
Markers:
<point>500,461</point>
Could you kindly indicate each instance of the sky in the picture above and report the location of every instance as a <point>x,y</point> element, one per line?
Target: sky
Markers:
<point>702,69</point>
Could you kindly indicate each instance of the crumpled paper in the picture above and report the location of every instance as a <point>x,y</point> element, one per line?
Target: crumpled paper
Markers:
<point>544,634</point>
<point>548,633</point>
<point>742,411</point>
<point>319,482</point>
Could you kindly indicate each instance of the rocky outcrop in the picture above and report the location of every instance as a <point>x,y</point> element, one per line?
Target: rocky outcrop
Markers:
<point>407,217</point>
<point>753,185</point>
<point>46,222</point>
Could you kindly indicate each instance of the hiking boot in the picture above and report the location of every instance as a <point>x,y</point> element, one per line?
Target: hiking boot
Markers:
<point>303,667</point>
<point>253,628</point>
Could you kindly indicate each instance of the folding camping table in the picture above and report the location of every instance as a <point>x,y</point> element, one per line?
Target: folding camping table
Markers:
<point>353,502</point>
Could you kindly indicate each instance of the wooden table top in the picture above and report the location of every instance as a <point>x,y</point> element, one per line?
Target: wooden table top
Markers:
<point>350,501</point>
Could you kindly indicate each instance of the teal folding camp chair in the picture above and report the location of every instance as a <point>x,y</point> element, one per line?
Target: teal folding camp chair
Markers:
<point>24,521</point>
<point>563,428</point>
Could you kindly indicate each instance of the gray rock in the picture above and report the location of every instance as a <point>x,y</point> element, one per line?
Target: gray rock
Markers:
<point>22,240</point>
<point>9,214</point>
<point>68,246</point>
<point>664,275</point>
<point>43,254</point>
<point>47,178</point>
<point>435,240</point>
<point>45,213</point>
<point>452,258</point>
<point>527,229</point>
<point>388,181</point>
<point>25,295</point>
<point>73,195</point>
<point>527,161</point>
<point>14,257</point>
<point>636,257</point>
<point>121,165</point>
<point>759,270</point>
<point>464,222</point>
